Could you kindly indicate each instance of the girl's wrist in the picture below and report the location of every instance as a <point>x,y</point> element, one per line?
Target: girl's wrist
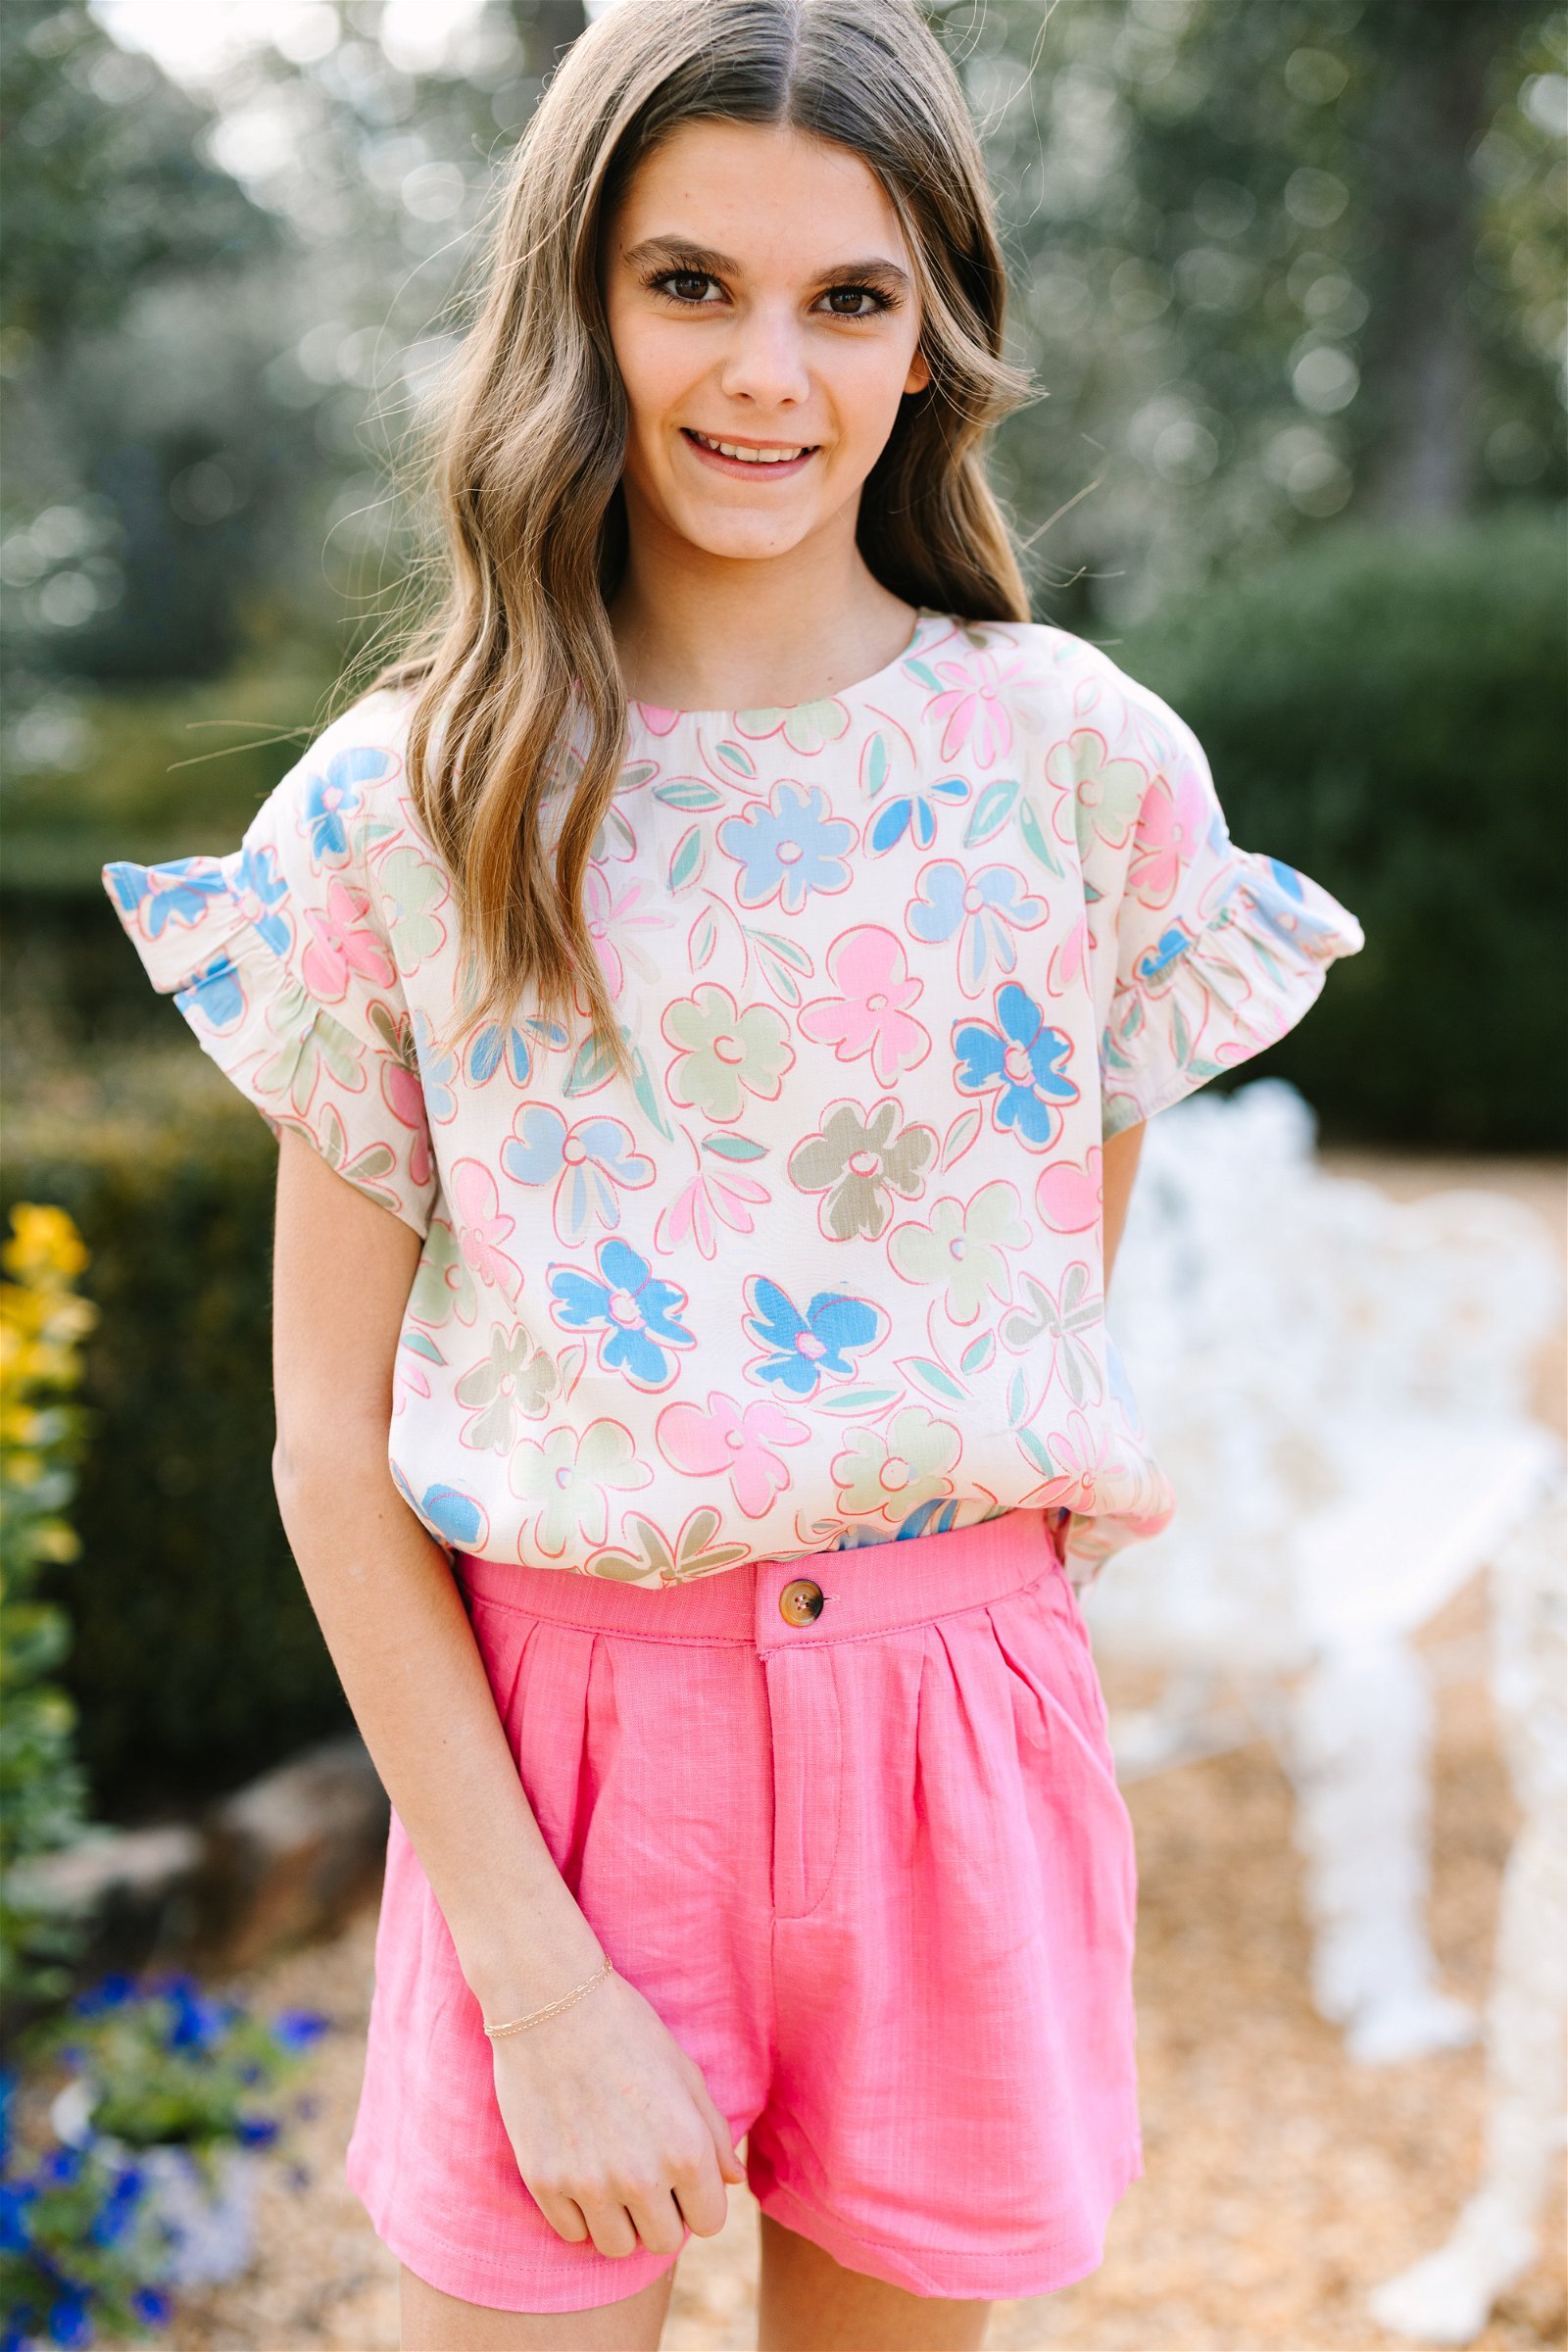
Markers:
<point>512,1975</point>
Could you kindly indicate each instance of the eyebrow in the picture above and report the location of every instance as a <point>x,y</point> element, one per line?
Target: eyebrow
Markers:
<point>686,250</point>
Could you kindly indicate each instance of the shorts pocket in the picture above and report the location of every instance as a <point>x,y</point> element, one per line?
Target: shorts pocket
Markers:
<point>1042,1632</point>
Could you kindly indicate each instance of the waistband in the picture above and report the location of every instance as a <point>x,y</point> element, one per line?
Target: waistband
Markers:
<point>874,1589</point>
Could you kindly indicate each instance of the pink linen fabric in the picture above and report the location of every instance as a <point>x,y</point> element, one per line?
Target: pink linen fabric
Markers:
<point>875,1874</point>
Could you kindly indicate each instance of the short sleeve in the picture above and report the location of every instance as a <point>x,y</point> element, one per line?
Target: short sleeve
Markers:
<point>281,957</point>
<point>1202,954</point>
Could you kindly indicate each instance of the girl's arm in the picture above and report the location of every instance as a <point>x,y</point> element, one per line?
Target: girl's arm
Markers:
<point>1117,1170</point>
<point>394,1621</point>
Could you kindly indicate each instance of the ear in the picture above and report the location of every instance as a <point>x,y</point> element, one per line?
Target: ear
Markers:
<point>920,375</point>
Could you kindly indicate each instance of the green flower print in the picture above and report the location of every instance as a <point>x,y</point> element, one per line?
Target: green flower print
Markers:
<point>961,1247</point>
<point>887,1479</point>
<point>413,886</point>
<point>1060,1316</point>
<point>517,1378</point>
<point>807,727</point>
<point>568,1478</point>
<point>859,1159</point>
<point>1109,792</point>
<point>444,1285</point>
<point>725,1053</point>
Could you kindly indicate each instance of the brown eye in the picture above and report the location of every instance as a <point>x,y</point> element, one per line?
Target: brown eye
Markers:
<point>844,302</point>
<point>687,285</point>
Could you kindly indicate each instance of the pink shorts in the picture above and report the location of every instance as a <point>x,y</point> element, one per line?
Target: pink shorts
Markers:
<point>873,1870</point>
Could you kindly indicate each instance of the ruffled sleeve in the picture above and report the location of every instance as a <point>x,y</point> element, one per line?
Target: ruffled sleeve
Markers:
<point>1202,954</point>
<point>281,957</point>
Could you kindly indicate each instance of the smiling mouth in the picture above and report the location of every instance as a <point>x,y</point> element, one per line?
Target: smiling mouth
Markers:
<point>764,456</point>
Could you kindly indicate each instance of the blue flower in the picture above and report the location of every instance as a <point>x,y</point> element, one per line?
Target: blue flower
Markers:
<point>802,1349</point>
<point>296,2029</point>
<point>256,2130</point>
<point>15,2198</point>
<point>70,2321</point>
<point>216,994</point>
<point>109,1993</point>
<point>788,848</point>
<point>634,1311</point>
<point>1017,1059</point>
<point>179,891</point>
<point>330,797</point>
<point>152,2305</point>
<point>914,815</point>
<point>197,2023</point>
<point>1156,959</point>
<point>62,2165</point>
<point>114,2215</point>
<point>258,888</point>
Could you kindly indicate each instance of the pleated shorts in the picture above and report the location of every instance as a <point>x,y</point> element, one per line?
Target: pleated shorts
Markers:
<point>872,1867</point>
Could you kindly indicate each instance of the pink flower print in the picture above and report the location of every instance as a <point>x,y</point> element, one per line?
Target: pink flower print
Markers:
<point>589,1165</point>
<point>612,924</point>
<point>1071,1199</point>
<point>1171,829</point>
<point>656,720</point>
<point>1070,967</point>
<point>972,707</point>
<point>714,1196</point>
<point>343,944</point>
<point>1078,1458</point>
<point>871,1013</point>
<point>482,1227</point>
<point>732,1439</point>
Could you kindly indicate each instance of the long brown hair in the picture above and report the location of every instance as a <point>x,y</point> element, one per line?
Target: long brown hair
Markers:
<point>520,698</point>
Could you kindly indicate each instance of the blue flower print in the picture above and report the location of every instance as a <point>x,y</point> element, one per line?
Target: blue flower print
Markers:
<point>788,848</point>
<point>457,1519</point>
<point>179,891</point>
<point>259,889</point>
<point>633,1311</point>
<point>214,994</point>
<point>804,1348</point>
<point>915,813</point>
<point>437,1069</point>
<point>331,796</point>
<point>1018,1061</point>
<point>1162,955</point>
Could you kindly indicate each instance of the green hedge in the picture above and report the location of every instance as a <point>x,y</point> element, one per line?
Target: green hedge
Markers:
<point>197,1659</point>
<point>1390,712</point>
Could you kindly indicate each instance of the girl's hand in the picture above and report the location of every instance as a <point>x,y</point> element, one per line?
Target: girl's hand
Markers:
<point>612,2126</point>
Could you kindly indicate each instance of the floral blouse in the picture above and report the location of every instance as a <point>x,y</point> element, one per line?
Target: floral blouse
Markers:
<point>828,1269</point>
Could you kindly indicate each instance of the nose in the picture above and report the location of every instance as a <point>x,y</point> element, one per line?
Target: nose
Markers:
<point>765,360</point>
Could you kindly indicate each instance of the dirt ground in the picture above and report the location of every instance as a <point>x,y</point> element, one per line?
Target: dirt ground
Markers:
<point>1282,2181</point>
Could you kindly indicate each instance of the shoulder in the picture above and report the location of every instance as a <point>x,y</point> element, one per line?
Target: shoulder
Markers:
<point>346,798</point>
<point>1064,687</point>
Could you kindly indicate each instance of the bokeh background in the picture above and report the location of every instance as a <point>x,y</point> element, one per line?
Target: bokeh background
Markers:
<point>1290,275</point>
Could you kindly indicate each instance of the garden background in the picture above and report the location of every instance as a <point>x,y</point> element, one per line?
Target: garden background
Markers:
<point>1289,275</point>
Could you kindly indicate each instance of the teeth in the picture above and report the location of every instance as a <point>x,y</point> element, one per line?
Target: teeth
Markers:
<point>750,457</point>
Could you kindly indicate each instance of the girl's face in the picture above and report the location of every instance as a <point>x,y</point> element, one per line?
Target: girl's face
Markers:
<point>759,296</point>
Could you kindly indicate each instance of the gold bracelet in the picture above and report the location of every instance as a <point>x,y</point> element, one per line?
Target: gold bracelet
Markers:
<point>520,2025</point>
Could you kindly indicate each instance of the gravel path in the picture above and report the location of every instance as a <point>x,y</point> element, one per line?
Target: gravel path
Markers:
<point>1282,2183</point>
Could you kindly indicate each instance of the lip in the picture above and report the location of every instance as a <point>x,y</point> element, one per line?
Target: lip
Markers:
<point>738,468</point>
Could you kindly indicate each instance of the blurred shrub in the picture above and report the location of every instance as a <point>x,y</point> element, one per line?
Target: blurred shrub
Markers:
<point>42,1325</point>
<point>1389,712</point>
<point>197,1659</point>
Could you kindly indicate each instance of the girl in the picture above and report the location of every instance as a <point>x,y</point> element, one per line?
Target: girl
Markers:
<point>707,996</point>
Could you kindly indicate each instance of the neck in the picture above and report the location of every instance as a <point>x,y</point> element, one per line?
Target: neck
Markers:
<point>701,632</point>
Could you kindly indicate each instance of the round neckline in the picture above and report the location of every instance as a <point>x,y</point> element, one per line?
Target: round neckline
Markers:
<point>857,686</point>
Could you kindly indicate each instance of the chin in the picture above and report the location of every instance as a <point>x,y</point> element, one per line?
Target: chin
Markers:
<point>744,540</point>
